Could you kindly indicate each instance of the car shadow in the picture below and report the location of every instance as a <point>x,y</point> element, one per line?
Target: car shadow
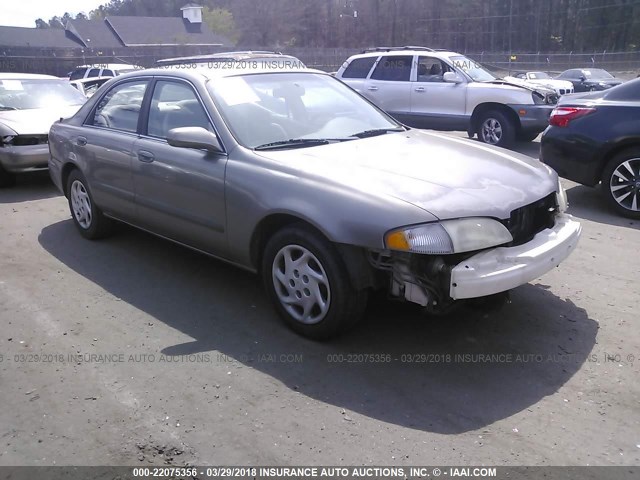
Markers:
<point>589,203</point>
<point>445,374</point>
<point>29,186</point>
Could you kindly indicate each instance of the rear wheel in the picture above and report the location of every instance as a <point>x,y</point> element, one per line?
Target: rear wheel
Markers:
<point>621,183</point>
<point>309,285</point>
<point>88,218</point>
<point>7,179</point>
<point>496,129</point>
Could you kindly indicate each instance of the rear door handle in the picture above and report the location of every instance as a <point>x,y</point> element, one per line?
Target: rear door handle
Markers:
<point>373,88</point>
<point>421,89</point>
<point>81,141</point>
<point>146,157</point>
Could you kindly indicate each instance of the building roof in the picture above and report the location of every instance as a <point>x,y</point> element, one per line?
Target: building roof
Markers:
<point>139,31</point>
<point>93,33</point>
<point>191,5</point>
<point>36,37</point>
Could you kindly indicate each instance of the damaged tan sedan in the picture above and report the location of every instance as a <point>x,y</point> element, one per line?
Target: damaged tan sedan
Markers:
<point>289,173</point>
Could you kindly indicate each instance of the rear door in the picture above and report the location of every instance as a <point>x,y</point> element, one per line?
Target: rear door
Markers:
<point>389,85</point>
<point>179,191</point>
<point>356,73</point>
<point>106,147</point>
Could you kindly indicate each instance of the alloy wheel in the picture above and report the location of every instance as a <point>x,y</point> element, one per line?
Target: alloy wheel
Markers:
<point>81,204</point>
<point>491,131</point>
<point>301,284</point>
<point>625,184</point>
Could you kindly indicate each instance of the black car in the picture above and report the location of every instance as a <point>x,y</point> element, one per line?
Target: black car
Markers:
<point>589,79</point>
<point>595,137</point>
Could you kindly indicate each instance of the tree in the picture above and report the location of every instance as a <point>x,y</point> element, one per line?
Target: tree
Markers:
<point>40,23</point>
<point>220,21</point>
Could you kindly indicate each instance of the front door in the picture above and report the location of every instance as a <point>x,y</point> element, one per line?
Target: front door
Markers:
<point>179,192</point>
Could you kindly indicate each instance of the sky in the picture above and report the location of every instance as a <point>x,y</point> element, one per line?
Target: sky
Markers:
<point>23,13</point>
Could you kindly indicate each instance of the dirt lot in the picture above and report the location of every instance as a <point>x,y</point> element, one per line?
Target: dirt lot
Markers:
<point>133,351</point>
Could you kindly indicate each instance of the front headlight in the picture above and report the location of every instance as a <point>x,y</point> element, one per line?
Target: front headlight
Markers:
<point>561,198</point>
<point>449,236</point>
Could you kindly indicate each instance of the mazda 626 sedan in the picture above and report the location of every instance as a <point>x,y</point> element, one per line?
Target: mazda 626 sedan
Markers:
<point>291,174</point>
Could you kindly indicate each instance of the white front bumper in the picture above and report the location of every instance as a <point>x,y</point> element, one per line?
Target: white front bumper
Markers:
<point>504,268</point>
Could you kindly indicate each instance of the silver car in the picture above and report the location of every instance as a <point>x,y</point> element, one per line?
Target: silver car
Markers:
<point>293,175</point>
<point>29,104</point>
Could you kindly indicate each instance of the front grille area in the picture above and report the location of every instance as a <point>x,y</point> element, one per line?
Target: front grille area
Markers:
<point>24,140</point>
<point>525,222</point>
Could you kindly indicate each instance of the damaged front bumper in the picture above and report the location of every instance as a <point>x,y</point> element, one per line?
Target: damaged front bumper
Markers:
<point>504,268</point>
<point>435,282</point>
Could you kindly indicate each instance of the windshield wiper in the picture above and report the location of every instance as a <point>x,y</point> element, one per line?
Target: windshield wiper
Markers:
<point>377,131</point>
<point>295,143</point>
<point>7,108</point>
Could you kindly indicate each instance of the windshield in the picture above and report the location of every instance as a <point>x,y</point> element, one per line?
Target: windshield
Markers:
<point>26,94</point>
<point>472,68</point>
<point>538,76</point>
<point>597,74</point>
<point>262,109</point>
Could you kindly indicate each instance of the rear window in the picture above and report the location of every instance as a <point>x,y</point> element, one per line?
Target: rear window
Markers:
<point>359,68</point>
<point>77,74</point>
<point>393,68</point>
<point>94,72</point>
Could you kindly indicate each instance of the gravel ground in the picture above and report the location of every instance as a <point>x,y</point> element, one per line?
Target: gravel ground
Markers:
<point>134,351</point>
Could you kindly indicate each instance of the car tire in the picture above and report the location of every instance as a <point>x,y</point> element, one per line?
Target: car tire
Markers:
<point>494,128</point>
<point>309,284</point>
<point>527,136</point>
<point>88,218</point>
<point>621,183</point>
<point>7,179</point>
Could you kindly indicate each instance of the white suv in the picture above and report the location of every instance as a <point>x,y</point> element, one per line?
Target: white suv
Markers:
<point>428,88</point>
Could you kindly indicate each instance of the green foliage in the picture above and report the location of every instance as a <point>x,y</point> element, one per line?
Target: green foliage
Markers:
<point>462,25</point>
<point>220,21</point>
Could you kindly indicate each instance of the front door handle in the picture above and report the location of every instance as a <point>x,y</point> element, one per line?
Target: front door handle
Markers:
<point>373,88</point>
<point>146,157</point>
<point>81,141</point>
<point>421,89</point>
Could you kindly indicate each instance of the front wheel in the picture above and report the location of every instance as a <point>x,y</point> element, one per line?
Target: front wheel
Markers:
<point>309,285</point>
<point>496,129</point>
<point>88,218</point>
<point>621,183</point>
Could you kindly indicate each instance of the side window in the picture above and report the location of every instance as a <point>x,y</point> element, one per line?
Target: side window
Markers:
<point>359,68</point>
<point>107,73</point>
<point>174,105</point>
<point>431,69</point>
<point>393,68</point>
<point>77,74</point>
<point>120,107</point>
<point>94,72</point>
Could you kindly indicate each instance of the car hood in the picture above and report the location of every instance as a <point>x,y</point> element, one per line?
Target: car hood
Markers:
<point>35,121</point>
<point>523,84</point>
<point>448,177</point>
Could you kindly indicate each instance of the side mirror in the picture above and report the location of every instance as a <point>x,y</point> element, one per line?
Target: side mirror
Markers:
<point>194,137</point>
<point>452,77</point>
<point>582,78</point>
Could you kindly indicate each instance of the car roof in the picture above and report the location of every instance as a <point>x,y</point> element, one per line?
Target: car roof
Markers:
<point>210,71</point>
<point>227,57</point>
<point>409,50</point>
<point>111,66</point>
<point>26,76</point>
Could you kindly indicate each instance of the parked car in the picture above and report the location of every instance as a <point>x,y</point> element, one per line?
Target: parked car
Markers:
<point>89,86</point>
<point>29,104</point>
<point>293,175</point>
<point>427,88</point>
<point>561,87</point>
<point>589,79</point>
<point>268,59</point>
<point>102,70</point>
<point>595,137</point>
